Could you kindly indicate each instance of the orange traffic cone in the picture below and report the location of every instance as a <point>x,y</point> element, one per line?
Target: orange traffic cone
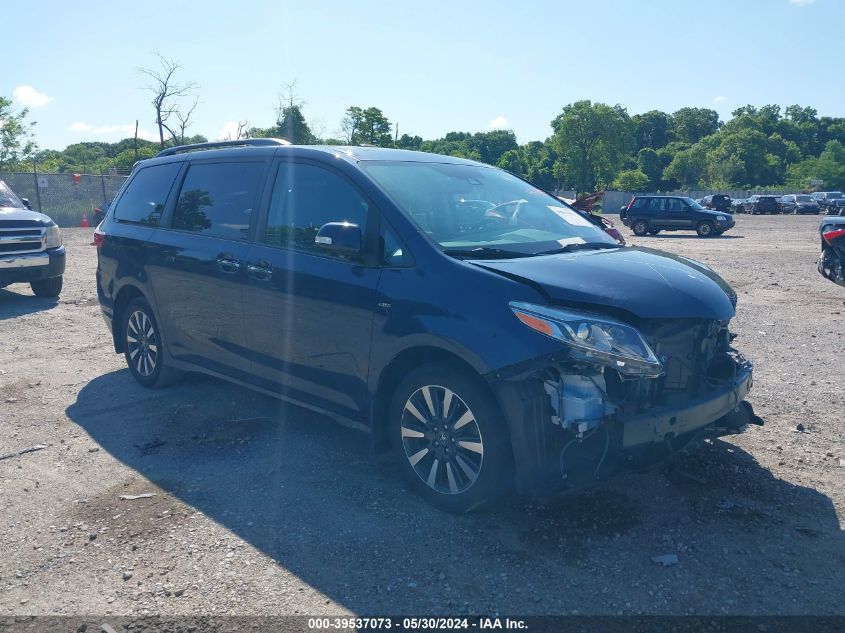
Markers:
<point>84,221</point>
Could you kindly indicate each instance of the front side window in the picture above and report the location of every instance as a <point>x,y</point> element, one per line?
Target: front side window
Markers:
<point>144,199</point>
<point>304,198</point>
<point>465,208</point>
<point>690,203</point>
<point>217,199</point>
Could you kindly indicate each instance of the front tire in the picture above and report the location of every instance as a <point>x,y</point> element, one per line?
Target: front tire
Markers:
<point>640,228</point>
<point>143,346</point>
<point>50,287</point>
<point>449,439</point>
<point>705,229</point>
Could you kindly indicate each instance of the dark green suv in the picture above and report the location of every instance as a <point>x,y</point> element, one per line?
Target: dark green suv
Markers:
<point>648,215</point>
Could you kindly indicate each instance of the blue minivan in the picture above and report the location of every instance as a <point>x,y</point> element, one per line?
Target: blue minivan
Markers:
<point>478,327</point>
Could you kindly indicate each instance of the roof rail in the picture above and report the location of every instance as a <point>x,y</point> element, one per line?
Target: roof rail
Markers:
<point>241,142</point>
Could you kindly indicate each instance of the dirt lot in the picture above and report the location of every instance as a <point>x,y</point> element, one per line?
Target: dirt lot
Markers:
<point>271,510</point>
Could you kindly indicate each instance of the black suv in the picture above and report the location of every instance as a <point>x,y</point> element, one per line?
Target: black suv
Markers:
<point>718,202</point>
<point>648,215</point>
<point>484,331</point>
<point>757,205</point>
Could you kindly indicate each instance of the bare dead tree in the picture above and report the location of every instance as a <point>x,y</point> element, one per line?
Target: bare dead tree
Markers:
<point>242,132</point>
<point>184,119</point>
<point>167,93</point>
<point>287,99</point>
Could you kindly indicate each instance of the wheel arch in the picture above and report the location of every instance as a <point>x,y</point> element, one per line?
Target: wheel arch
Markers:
<point>124,296</point>
<point>399,366</point>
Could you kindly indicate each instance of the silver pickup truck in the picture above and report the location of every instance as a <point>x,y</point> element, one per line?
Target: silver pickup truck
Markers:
<point>31,248</point>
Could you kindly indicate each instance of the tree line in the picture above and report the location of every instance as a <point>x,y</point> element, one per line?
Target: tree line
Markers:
<point>592,146</point>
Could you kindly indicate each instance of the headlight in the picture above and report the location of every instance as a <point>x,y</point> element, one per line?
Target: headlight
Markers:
<point>593,338</point>
<point>53,236</point>
<point>721,218</point>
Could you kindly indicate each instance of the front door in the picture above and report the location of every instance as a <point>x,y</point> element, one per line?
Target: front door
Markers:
<point>309,315</point>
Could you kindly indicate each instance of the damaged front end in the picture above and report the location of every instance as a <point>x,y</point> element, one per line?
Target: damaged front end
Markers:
<point>619,398</point>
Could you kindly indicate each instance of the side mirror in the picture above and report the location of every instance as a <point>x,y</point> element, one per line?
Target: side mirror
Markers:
<point>341,238</point>
<point>26,203</point>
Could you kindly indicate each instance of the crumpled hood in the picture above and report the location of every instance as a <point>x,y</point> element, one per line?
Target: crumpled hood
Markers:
<point>645,282</point>
<point>14,213</point>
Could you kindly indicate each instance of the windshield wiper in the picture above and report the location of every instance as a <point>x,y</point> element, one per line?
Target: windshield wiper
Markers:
<point>484,252</point>
<point>586,246</point>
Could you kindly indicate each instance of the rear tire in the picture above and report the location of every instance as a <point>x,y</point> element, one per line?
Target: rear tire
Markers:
<point>50,287</point>
<point>144,347</point>
<point>449,439</point>
<point>705,229</point>
<point>640,228</point>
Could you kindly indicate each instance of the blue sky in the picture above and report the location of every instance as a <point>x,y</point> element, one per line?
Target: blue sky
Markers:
<point>433,66</point>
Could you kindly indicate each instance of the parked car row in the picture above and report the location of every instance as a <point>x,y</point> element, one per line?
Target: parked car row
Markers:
<point>826,202</point>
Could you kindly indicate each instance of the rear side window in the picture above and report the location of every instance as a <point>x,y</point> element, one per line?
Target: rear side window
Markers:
<point>144,198</point>
<point>217,199</point>
<point>305,197</point>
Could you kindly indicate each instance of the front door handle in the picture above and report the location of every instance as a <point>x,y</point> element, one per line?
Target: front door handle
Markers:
<point>228,265</point>
<point>259,270</point>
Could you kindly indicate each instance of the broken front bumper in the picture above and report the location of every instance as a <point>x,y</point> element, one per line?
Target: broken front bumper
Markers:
<point>548,458</point>
<point>668,422</point>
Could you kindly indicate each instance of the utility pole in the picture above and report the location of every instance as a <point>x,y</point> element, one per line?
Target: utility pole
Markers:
<point>396,137</point>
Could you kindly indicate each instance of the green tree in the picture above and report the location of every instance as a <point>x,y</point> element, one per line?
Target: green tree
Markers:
<point>650,164</point>
<point>690,125</point>
<point>592,141</point>
<point>688,168</point>
<point>16,139</point>
<point>631,180</point>
<point>651,129</point>
<point>366,126</point>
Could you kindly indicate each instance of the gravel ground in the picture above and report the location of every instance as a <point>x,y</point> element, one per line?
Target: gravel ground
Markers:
<point>263,509</point>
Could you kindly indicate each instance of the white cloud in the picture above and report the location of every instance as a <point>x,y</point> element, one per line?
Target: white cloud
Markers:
<point>124,131</point>
<point>29,97</point>
<point>801,3</point>
<point>719,99</point>
<point>498,123</point>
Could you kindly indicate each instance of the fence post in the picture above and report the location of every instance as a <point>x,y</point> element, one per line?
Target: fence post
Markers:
<point>37,188</point>
<point>103,183</point>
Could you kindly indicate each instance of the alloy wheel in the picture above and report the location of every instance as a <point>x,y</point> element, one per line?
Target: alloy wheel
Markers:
<point>442,439</point>
<point>142,343</point>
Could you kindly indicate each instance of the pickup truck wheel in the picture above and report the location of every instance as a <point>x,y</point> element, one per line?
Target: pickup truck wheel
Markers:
<point>705,229</point>
<point>449,440</point>
<point>640,228</point>
<point>50,287</point>
<point>143,347</point>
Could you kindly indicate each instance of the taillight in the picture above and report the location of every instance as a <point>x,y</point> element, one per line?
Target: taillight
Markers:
<point>829,236</point>
<point>99,238</point>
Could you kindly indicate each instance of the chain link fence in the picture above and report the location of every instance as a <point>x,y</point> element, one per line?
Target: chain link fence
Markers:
<point>65,197</point>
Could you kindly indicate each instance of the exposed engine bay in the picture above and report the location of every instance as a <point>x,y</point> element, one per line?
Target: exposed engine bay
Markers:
<point>598,421</point>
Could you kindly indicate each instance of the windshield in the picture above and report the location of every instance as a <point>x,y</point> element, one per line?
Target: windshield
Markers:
<point>693,204</point>
<point>8,197</point>
<point>835,194</point>
<point>470,207</point>
<point>803,199</point>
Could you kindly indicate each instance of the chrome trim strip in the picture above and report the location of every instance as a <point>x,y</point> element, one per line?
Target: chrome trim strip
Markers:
<point>24,261</point>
